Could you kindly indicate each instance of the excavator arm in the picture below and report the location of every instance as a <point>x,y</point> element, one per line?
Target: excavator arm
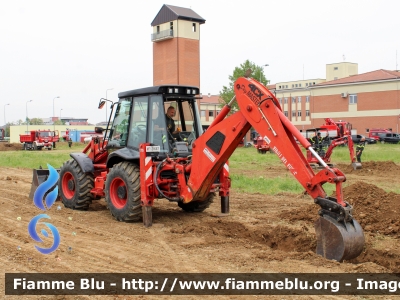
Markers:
<point>339,235</point>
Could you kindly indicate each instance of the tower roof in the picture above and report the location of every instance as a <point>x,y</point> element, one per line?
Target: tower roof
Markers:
<point>169,13</point>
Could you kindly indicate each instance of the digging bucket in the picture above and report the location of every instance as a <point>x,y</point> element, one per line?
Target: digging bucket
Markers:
<point>337,240</point>
<point>39,176</point>
<point>356,166</point>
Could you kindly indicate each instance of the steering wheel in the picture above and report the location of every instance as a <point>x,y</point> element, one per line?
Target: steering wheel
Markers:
<point>141,128</point>
<point>187,136</point>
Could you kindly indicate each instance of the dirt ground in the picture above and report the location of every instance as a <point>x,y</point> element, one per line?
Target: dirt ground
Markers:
<point>264,234</point>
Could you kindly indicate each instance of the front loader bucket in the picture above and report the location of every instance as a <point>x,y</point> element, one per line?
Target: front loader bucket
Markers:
<point>337,240</point>
<point>356,166</point>
<point>39,176</point>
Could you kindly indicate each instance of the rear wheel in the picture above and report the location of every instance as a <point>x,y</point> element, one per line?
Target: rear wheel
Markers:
<point>123,192</point>
<point>197,206</point>
<point>75,186</point>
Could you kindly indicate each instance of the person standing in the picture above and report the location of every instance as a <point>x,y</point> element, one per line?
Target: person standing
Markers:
<point>360,148</point>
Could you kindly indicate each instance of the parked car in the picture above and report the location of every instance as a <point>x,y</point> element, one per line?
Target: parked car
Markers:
<point>357,137</point>
<point>391,138</point>
<point>377,134</point>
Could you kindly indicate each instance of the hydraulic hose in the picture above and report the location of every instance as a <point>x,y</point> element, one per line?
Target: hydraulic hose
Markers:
<point>156,185</point>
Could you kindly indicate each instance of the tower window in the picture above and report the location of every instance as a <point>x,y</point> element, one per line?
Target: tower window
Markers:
<point>171,25</point>
<point>158,29</point>
<point>194,27</point>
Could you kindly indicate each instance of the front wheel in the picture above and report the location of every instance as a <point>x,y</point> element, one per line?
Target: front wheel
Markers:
<point>123,192</point>
<point>197,206</point>
<point>75,186</point>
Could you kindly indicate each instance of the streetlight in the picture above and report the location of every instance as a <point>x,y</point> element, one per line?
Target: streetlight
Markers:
<point>27,114</point>
<point>106,104</point>
<point>5,123</point>
<point>262,69</point>
<point>53,112</point>
<point>5,113</point>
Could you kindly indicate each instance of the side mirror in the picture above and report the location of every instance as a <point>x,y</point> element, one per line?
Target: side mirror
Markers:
<point>98,129</point>
<point>101,103</point>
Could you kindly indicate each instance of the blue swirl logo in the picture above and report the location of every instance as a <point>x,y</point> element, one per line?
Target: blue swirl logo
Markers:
<point>49,199</point>
<point>33,233</point>
<point>44,187</point>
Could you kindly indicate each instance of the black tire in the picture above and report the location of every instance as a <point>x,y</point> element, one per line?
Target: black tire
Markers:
<point>197,206</point>
<point>74,186</point>
<point>123,192</point>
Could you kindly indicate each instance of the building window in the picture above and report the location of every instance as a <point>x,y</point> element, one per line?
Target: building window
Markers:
<point>286,113</point>
<point>293,99</point>
<point>211,113</point>
<point>292,85</point>
<point>158,29</point>
<point>171,25</point>
<point>306,84</point>
<point>307,99</point>
<point>299,84</point>
<point>218,112</point>
<point>352,99</point>
<point>299,99</point>
<point>293,113</point>
<point>194,27</point>
<point>286,99</point>
<point>307,113</point>
<point>203,113</point>
<point>299,113</point>
<point>335,68</point>
<point>286,86</point>
<point>280,100</point>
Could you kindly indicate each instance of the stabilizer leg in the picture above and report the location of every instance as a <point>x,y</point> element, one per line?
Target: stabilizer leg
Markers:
<point>147,216</point>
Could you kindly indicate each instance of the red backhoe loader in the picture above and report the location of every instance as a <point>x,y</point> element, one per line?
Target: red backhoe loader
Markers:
<point>139,160</point>
<point>332,134</point>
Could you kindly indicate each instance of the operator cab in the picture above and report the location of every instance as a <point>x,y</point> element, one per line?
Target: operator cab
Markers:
<point>140,116</point>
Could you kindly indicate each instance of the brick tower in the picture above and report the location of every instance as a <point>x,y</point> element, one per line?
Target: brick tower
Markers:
<point>176,46</point>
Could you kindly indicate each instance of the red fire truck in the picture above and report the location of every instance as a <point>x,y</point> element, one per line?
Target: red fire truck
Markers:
<point>39,139</point>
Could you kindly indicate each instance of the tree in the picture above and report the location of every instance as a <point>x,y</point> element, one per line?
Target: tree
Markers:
<point>59,122</point>
<point>36,121</point>
<point>227,92</point>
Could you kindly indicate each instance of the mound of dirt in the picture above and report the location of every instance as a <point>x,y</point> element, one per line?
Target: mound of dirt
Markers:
<point>10,146</point>
<point>372,168</point>
<point>289,239</point>
<point>376,210</point>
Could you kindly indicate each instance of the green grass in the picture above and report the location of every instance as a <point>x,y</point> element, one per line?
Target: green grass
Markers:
<point>248,158</point>
<point>374,152</point>
<point>248,168</point>
<point>34,159</point>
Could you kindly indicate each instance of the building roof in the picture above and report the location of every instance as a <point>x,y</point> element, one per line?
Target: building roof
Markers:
<point>169,13</point>
<point>211,99</point>
<point>365,77</point>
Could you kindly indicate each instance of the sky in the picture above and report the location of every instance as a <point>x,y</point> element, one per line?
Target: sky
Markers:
<point>77,50</point>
